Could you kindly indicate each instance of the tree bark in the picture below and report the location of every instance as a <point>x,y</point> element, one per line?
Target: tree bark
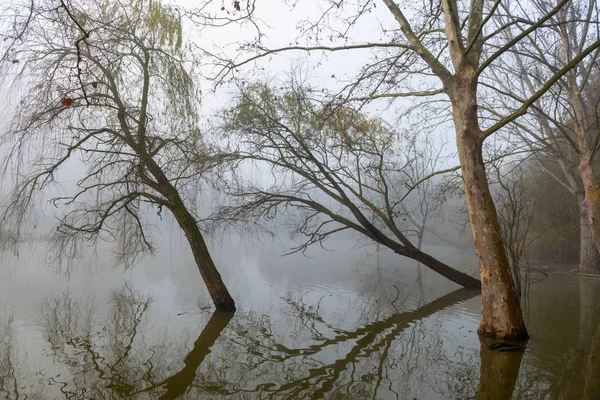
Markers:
<point>583,123</point>
<point>501,314</point>
<point>591,226</point>
<point>589,258</point>
<point>214,283</point>
<point>212,279</point>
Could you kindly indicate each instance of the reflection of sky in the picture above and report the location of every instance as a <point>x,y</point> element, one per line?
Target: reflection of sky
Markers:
<point>434,355</point>
<point>172,279</point>
<point>345,284</point>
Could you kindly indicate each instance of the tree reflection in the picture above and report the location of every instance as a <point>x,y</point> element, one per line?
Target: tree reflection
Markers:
<point>577,375</point>
<point>293,353</point>
<point>116,361</point>
<point>100,363</point>
<point>15,379</point>
<point>499,372</point>
<point>177,384</point>
<point>117,349</point>
<point>247,357</point>
<point>563,363</point>
<point>591,373</point>
<point>368,362</point>
<point>589,337</point>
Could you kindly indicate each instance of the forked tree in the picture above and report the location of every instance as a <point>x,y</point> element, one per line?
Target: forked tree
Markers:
<point>440,52</point>
<point>108,88</point>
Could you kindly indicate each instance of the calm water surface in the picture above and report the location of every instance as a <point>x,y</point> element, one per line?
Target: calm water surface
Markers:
<point>347,324</point>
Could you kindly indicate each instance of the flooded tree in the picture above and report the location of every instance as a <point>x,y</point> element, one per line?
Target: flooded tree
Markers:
<point>117,346</point>
<point>109,95</point>
<point>564,124</point>
<point>336,167</point>
<point>438,49</point>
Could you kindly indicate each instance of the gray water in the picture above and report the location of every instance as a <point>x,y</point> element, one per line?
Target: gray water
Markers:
<point>353,323</point>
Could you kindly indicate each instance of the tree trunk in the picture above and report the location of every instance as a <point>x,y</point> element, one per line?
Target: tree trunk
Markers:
<point>212,279</point>
<point>448,272</point>
<point>214,283</point>
<point>420,239</point>
<point>501,314</point>
<point>589,258</point>
<point>430,262</point>
<point>589,206</point>
<point>583,122</point>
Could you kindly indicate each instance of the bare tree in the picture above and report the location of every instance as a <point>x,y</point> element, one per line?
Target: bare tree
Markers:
<point>557,215</point>
<point>449,46</point>
<point>333,165</point>
<point>516,199</point>
<point>564,123</point>
<point>109,88</point>
<point>429,195</point>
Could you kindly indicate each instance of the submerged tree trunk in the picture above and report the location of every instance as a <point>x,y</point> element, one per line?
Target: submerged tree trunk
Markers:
<point>591,226</point>
<point>214,283</point>
<point>501,314</point>
<point>589,258</point>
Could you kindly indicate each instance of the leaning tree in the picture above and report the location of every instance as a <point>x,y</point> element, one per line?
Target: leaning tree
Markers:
<point>436,52</point>
<point>335,167</point>
<point>109,91</point>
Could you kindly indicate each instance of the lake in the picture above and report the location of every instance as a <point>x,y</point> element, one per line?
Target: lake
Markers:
<point>352,323</point>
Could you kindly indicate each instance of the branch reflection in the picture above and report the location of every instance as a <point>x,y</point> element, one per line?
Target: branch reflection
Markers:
<point>292,353</point>
<point>249,356</point>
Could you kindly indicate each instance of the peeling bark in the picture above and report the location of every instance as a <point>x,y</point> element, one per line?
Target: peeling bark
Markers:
<point>501,314</point>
